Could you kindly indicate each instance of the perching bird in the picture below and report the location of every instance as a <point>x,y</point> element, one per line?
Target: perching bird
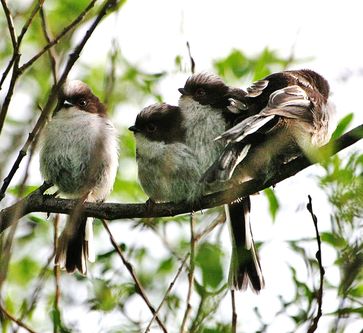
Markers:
<point>79,154</point>
<point>290,115</point>
<point>168,170</point>
<point>205,104</point>
<point>175,145</point>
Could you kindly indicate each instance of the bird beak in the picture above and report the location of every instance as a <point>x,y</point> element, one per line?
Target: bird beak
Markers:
<point>182,91</point>
<point>134,129</point>
<point>62,103</point>
<point>67,104</point>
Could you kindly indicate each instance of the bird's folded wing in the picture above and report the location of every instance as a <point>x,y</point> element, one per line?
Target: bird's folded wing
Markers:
<point>289,102</point>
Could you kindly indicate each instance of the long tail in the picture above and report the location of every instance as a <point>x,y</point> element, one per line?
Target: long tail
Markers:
<point>75,245</point>
<point>245,266</point>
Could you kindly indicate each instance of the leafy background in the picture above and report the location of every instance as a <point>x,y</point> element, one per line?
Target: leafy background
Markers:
<point>106,300</point>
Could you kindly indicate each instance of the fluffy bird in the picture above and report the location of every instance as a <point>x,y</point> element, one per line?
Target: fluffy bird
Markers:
<point>79,154</point>
<point>290,115</point>
<point>175,145</point>
<point>168,169</point>
<point>205,103</point>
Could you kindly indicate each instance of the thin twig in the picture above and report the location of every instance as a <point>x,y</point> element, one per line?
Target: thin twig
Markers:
<point>56,272</point>
<point>217,221</point>
<point>38,5</point>
<point>16,56</point>
<point>110,77</point>
<point>168,291</point>
<point>7,100</point>
<point>6,252</point>
<point>234,312</point>
<point>56,40</point>
<point>51,51</point>
<point>319,296</point>
<point>188,308</point>
<point>13,319</point>
<point>32,302</point>
<point>192,62</point>
<point>10,23</point>
<point>139,288</point>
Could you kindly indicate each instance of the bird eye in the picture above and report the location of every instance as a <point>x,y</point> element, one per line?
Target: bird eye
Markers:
<point>82,102</point>
<point>200,92</point>
<point>151,127</point>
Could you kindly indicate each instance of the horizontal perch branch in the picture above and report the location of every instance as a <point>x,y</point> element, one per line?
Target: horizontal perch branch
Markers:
<point>37,202</point>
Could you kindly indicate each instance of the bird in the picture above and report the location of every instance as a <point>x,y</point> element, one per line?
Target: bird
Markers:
<point>205,102</point>
<point>175,145</point>
<point>168,169</point>
<point>79,154</point>
<point>290,115</point>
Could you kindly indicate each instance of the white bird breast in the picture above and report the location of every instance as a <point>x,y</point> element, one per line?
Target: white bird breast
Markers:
<point>68,158</point>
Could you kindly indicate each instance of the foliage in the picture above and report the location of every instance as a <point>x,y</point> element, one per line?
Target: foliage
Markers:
<point>47,299</point>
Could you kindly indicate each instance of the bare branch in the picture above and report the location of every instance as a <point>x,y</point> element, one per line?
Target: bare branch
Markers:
<point>188,308</point>
<point>36,202</point>
<point>51,52</point>
<point>319,296</point>
<point>56,40</point>
<point>39,4</point>
<point>56,272</point>
<point>234,312</point>
<point>10,22</point>
<point>14,77</point>
<point>139,288</point>
<point>217,221</point>
<point>16,321</point>
<point>192,62</point>
<point>16,56</point>
<point>168,291</point>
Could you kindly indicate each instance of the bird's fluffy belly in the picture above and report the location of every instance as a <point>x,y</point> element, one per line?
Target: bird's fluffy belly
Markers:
<point>168,172</point>
<point>77,156</point>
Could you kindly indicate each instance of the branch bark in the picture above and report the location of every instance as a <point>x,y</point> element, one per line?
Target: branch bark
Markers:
<point>37,202</point>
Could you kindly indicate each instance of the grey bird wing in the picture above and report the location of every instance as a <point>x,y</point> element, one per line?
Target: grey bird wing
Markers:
<point>289,102</point>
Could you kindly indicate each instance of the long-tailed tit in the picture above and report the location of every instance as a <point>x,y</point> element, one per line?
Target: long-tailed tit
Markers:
<point>79,154</point>
<point>205,104</point>
<point>175,145</point>
<point>168,169</point>
<point>290,115</point>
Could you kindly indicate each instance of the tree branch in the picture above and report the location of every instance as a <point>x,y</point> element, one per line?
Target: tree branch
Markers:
<point>56,40</point>
<point>16,321</point>
<point>319,295</point>
<point>37,202</point>
<point>138,286</point>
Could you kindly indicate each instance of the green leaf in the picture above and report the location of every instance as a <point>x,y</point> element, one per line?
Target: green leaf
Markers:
<point>273,202</point>
<point>342,126</point>
<point>166,266</point>
<point>209,260</point>
<point>333,239</point>
<point>23,271</point>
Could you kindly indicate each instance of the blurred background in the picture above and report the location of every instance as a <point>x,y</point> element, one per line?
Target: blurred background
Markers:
<point>137,56</point>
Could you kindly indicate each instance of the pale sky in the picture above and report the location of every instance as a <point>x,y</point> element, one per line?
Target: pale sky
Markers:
<point>328,34</point>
